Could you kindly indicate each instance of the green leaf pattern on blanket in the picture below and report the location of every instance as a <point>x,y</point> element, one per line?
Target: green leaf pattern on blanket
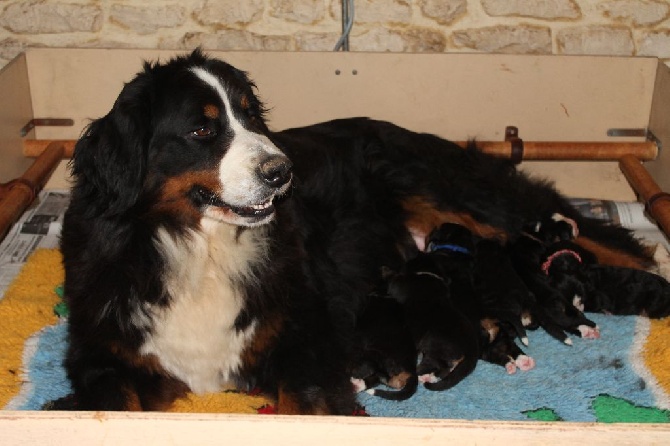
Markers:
<point>609,409</point>
<point>543,414</point>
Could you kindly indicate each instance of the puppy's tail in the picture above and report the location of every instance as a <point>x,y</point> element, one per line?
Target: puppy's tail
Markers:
<point>398,395</point>
<point>463,369</point>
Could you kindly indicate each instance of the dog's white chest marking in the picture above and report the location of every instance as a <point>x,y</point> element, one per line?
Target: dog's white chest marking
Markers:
<point>194,337</point>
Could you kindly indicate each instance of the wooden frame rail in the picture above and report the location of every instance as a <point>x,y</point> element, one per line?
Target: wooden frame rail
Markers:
<point>656,201</point>
<point>18,194</point>
<point>526,150</point>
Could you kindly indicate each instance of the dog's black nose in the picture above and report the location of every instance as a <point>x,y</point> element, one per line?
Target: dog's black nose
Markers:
<point>275,170</point>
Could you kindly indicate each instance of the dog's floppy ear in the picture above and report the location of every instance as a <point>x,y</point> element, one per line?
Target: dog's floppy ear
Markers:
<point>110,159</point>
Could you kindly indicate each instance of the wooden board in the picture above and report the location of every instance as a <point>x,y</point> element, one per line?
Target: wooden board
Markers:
<point>147,429</point>
<point>15,112</point>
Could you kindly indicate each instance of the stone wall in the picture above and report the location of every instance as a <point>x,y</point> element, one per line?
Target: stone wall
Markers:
<point>610,27</point>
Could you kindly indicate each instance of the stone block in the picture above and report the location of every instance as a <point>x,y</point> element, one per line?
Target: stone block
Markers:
<point>537,9</point>
<point>524,39</point>
<point>42,17</point>
<point>222,13</point>
<point>444,12</point>
<point>635,12</point>
<point>605,40</point>
<point>300,11</point>
<point>147,19</point>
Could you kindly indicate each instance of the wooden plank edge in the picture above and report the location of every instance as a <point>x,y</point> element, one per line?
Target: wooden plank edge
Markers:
<point>92,428</point>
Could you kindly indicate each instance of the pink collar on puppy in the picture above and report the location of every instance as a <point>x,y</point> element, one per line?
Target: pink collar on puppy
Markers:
<point>547,263</point>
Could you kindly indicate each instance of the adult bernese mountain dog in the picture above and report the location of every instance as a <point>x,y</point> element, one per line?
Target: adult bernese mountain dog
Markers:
<point>203,250</point>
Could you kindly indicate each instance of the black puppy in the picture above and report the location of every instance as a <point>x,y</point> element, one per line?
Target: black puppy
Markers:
<point>383,350</point>
<point>501,292</point>
<point>451,249</point>
<point>627,291</point>
<point>499,347</point>
<point>563,265</point>
<point>446,339</point>
<point>552,310</point>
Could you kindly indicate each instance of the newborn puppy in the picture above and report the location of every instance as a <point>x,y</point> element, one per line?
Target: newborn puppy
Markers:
<point>499,347</point>
<point>564,265</point>
<point>627,291</point>
<point>446,339</point>
<point>502,294</point>
<point>383,351</point>
<point>551,310</point>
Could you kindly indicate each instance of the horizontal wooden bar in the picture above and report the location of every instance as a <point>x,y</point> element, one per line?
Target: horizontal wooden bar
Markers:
<point>32,148</point>
<point>561,150</point>
<point>17,195</point>
<point>544,150</point>
<point>656,200</point>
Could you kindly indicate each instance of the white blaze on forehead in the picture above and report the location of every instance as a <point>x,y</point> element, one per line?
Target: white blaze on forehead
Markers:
<point>237,170</point>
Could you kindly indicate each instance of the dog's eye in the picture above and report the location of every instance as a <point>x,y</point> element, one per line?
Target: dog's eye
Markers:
<point>203,132</point>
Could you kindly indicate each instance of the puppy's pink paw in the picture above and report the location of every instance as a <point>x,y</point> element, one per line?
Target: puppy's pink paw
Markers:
<point>511,368</point>
<point>589,332</point>
<point>358,384</point>
<point>525,362</point>
<point>428,378</point>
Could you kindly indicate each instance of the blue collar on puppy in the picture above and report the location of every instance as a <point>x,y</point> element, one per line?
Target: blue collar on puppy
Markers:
<point>432,247</point>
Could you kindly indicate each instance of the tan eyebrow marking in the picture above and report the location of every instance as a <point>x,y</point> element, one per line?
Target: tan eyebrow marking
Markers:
<point>244,102</point>
<point>212,111</point>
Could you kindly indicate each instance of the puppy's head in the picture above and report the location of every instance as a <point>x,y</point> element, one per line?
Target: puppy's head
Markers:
<point>453,238</point>
<point>185,141</point>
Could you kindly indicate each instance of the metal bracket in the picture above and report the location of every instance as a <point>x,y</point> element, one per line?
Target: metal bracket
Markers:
<point>633,132</point>
<point>55,122</point>
<point>512,136</point>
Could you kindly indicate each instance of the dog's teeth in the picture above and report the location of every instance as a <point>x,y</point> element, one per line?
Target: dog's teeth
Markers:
<point>262,205</point>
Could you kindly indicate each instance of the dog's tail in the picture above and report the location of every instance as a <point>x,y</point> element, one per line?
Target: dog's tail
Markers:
<point>612,244</point>
<point>398,395</point>
<point>463,369</point>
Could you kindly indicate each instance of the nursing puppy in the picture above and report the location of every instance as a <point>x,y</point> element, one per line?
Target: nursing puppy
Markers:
<point>501,292</point>
<point>606,289</point>
<point>553,310</point>
<point>203,250</point>
<point>447,339</point>
<point>384,351</point>
<point>499,347</point>
<point>618,290</point>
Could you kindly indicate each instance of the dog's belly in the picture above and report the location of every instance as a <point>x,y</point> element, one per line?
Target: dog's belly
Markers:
<point>194,337</point>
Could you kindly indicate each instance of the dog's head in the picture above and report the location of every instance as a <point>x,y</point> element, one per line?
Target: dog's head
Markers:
<point>184,140</point>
